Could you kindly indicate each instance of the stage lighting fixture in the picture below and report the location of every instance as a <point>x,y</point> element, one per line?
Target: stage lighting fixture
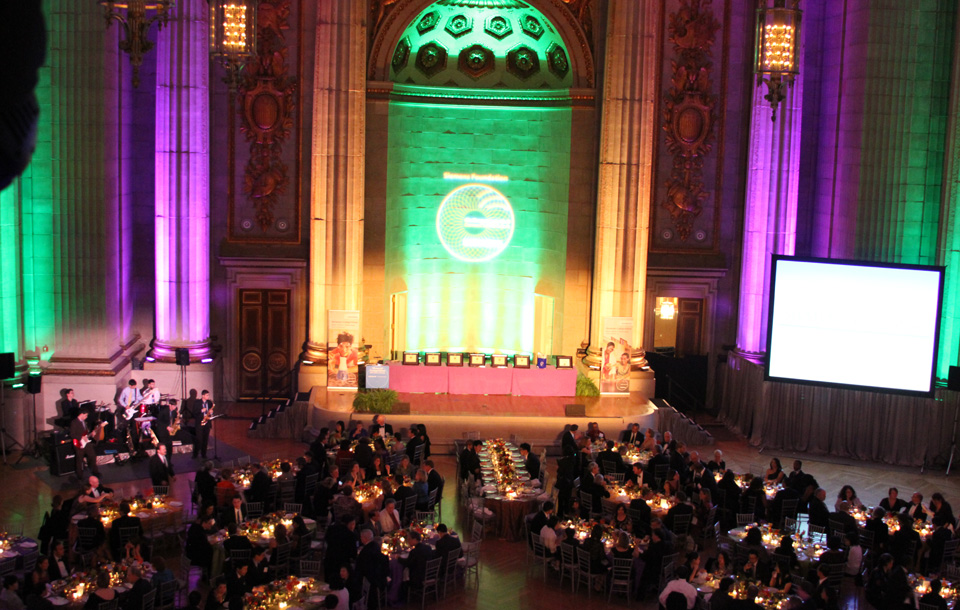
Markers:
<point>454,359</point>
<point>412,358</point>
<point>431,359</point>
<point>521,361</point>
<point>564,362</point>
<point>477,359</point>
<point>206,360</point>
<point>498,360</point>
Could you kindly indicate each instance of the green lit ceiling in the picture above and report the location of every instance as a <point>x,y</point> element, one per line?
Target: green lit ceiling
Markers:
<point>482,44</point>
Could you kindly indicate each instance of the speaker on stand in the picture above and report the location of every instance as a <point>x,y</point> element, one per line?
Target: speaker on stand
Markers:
<point>182,356</point>
<point>34,385</point>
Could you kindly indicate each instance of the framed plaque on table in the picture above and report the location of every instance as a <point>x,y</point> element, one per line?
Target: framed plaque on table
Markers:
<point>477,359</point>
<point>498,360</point>
<point>564,362</point>
<point>431,359</point>
<point>411,358</point>
<point>521,361</point>
<point>454,359</point>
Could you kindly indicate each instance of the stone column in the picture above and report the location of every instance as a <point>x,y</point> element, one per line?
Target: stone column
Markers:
<point>336,197</point>
<point>626,166</point>
<point>182,200</point>
<point>770,211</point>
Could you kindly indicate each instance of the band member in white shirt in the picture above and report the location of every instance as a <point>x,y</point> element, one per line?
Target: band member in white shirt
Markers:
<point>129,401</point>
<point>151,398</point>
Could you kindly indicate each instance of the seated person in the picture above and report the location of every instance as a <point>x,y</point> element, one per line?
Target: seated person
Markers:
<point>235,540</point>
<point>933,597</point>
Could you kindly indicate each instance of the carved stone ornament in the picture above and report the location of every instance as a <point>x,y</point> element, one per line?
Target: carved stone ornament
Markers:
<point>266,104</point>
<point>689,110</point>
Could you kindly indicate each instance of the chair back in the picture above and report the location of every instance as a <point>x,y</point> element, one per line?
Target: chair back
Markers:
<point>8,565</point>
<point>418,455</point>
<point>744,519</point>
<point>239,556</point>
<point>167,594</point>
<point>126,533</point>
<point>161,490</point>
<point>310,483</point>
<point>308,568</point>
<point>108,605</point>
<point>292,508</point>
<point>149,601</point>
<point>432,498</point>
<point>254,510</point>
<point>30,561</point>
<point>586,502</point>
<point>477,534</point>
<point>433,570</point>
<point>583,560</point>
<point>609,466</point>
<point>681,524</point>
<point>86,535</point>
<point>288,490</point>
<point>622,569</point>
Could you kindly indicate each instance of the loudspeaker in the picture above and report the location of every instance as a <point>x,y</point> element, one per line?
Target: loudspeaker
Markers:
<point>183,356</point>
<point>953,379</point>
<point>33,383</point>
<point>575,410</point>
<point>8,366</point>
<point>63,460</point>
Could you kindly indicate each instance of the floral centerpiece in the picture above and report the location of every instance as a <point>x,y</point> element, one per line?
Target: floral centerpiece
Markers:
<point>281,593</point>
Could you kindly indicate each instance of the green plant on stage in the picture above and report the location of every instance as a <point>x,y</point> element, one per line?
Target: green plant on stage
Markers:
<point>375,401</point>
<point>585,386</point>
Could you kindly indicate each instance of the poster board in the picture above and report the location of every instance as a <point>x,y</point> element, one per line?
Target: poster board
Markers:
<point>615,333</point>
<point>343,330</point>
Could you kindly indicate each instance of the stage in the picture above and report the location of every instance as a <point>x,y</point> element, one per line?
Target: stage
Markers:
<point>538,420</point>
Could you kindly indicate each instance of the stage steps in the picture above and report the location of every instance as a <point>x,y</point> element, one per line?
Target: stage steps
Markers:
<point>286,420</point>
<point>683,428</point>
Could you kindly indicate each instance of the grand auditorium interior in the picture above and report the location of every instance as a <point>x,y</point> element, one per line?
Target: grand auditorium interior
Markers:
<point>479,304</point>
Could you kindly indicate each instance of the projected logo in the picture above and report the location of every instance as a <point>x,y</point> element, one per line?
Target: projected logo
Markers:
<point>475,223</point>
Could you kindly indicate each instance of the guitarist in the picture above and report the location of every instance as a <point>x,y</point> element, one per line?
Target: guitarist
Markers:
<point>203,413</point>
<point>129,401</point>
<point>83,444</point>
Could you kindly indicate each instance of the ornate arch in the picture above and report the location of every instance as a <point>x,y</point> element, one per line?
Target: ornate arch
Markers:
<point>389,18</point>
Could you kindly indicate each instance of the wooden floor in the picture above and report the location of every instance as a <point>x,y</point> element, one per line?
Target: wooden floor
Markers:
<point>505,583</point>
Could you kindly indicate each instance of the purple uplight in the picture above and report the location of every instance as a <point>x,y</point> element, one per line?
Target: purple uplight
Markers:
<point>182,202</point>
<point>770,213</point>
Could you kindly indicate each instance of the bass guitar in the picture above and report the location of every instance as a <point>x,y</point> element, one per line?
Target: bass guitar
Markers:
<point>86,439</point>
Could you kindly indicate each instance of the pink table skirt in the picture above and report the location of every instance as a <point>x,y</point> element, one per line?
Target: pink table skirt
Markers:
<point>479,380</point>
<point>544,382</point>
<point>420,379</point>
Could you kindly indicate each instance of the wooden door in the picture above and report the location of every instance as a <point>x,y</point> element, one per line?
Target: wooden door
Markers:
<point>689,326</point>
<point>264,342</point>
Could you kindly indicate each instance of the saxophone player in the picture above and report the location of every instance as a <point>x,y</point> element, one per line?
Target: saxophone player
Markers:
<point>168,424</point>
<point>203,414</point>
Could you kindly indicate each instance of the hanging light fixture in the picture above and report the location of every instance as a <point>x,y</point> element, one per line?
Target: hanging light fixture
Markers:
<point>777,51</point>
<point>136,17</point>
<point>668,309</point>
<point>233,35</point>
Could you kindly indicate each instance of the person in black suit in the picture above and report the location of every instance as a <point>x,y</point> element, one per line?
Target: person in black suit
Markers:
<point>57,525</point>
<point>381,427</point>
<point>234,514</point>
<point>236,541</point>
<point>161,470</point>
<point>540,519</point>
<point>447,543</point>
<point>681,508</point>
<point>633,436</point>
<point>892,503</point>
<point>413,442</point>
<point>206,484</point>
<point>469,461</point>
<point>341,541</point>
<point>259,485</point>
<point>59,563</point>
<point>933,597</point>
<point>843,516</point>
<point>568,441</point>
<point>69,406</point>
<point>938,540</point>
<point>637,477</point>
<point>611,455</point>
<point>373,565</point>
<point>818,511</point>
<point>165,420</point>
<point>434,480</point>
<point>657,459</point>
<point>641,521</point>
<point>80,436</point>
<point>140,588</point>
<point>915,508</point>
<point>93,521</point>
<point>238,583</point>
<point>202,408</point>
<point>416,562</point>
<point>259,573</point>
<point>309,468</point>
<point>125,520</point>
<point>530,461</point>
<point>403,494</point>
<point>198,548</point>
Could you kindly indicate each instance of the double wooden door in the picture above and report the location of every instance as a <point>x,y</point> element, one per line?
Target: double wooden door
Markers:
<point>264,342</point>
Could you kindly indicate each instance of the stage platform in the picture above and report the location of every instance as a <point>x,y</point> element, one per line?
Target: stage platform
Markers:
<point>538,420</point>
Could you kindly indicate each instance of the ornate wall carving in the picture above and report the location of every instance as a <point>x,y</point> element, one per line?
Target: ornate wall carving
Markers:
<point>268,207</point>
<point>689,120</point>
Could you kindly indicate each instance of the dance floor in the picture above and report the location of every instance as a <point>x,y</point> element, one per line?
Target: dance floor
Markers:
<point>505,582</point>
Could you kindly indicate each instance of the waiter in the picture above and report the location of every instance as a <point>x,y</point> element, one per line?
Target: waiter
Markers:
<point>204,411</point>
<point>84,445</point>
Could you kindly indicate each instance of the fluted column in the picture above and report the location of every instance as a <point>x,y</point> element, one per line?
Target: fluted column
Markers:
<point>626,165</point>
<point>336,197</point>
<point>770,212</point>
<point>11,286</point>
<point>182,200</point>
<point>68,298</point>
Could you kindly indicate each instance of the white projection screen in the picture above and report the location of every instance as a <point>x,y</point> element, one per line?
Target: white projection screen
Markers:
<point>854,324</point>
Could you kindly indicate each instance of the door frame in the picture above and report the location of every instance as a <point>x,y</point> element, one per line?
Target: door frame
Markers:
<point>259,274</point>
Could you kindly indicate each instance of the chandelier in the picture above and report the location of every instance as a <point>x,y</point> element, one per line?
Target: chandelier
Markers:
<point>233,35</point>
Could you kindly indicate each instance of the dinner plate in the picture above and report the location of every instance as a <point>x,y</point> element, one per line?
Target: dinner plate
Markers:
<point>162,511</point>
<point>143,515</point>
<point>122,588</point>
<point>316,599</point>
<point>59,601</point>
<point>175,503</point>
<point>705,588</point>
<point>28,544</point>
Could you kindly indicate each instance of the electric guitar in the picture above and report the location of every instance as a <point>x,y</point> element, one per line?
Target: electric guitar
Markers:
<point>129,412</point>
<point>86,439</point>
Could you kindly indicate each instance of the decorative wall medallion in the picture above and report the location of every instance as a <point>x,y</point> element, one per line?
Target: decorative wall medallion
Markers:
<point>522,62</point>
<point>688,115</point>
<point>531,26</point>
<point>458,25</point>
<point>431,59</point>
<point>557,60</point>
<point>498,27</point>
<point>476,60</point>
<point>428,22</point>
<point>401,54</point>
<point>266,104</point>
